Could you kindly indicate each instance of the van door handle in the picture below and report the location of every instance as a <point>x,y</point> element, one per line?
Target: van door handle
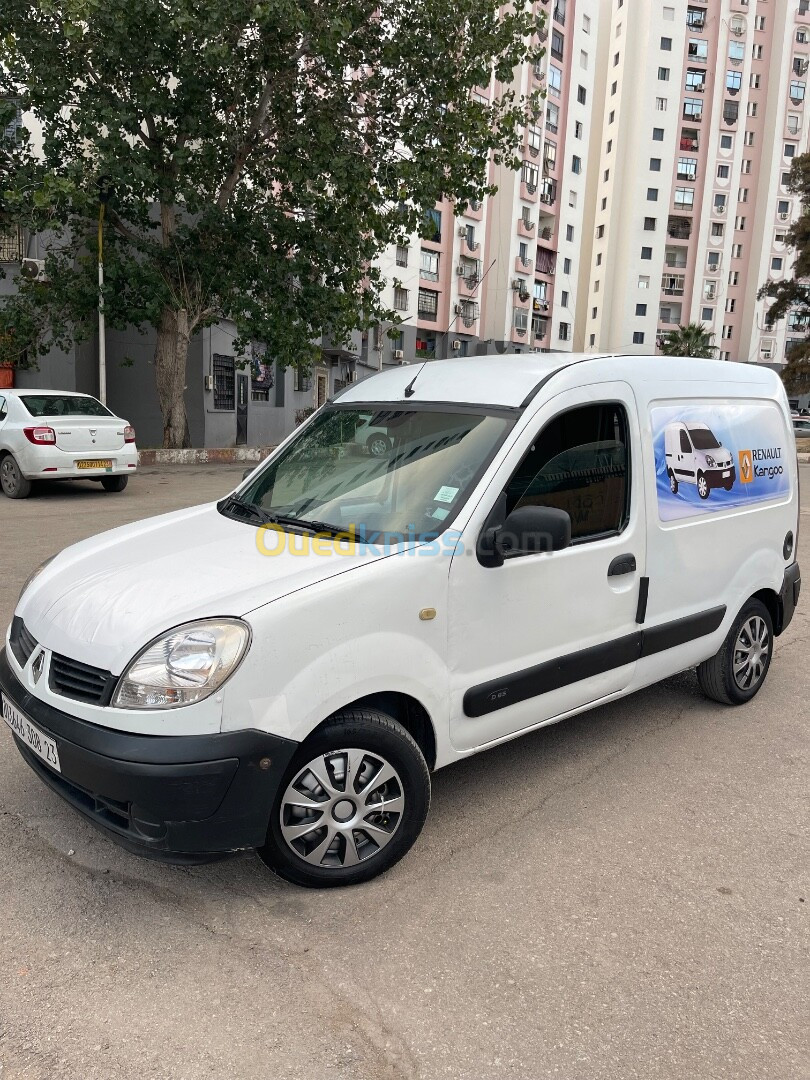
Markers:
<point>622,564</point>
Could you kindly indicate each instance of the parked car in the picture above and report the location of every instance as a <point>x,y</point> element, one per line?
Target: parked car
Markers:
<point>284,669</point>
<point>375,439</point>
<point>60,435</point>
<point>801,428</point>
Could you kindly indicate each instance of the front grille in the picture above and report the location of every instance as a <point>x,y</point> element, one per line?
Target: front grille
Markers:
<point>72,679</point>
<point>21,641</point>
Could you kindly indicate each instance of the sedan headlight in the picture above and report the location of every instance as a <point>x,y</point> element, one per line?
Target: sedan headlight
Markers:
<point>183,666</point>
<point>32,577</point>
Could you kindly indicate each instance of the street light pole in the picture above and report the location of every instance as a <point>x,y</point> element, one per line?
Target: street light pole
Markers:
<point>102,344</point>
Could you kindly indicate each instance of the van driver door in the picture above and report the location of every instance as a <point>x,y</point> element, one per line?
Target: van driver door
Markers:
<point>547,633</point>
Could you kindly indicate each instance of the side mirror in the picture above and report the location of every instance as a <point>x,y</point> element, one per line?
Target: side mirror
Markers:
<point>526,531</point>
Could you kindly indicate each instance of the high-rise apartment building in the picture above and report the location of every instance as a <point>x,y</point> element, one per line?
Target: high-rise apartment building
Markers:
<point>502,276</point>
<point>704,109</point>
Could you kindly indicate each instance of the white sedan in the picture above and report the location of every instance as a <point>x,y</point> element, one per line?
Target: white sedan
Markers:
<point>60,435</point>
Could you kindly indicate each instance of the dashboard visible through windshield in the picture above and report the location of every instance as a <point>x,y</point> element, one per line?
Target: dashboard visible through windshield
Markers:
<point>378,471</point>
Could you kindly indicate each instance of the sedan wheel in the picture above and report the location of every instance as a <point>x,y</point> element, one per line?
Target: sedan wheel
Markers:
<point>12,481</point>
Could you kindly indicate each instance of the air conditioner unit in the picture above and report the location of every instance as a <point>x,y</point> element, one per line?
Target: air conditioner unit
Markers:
<point>518,285</point>
<point>784,217</point>
<point>33,269</point>
<point>208,382</point>
<point>458,309</point>
<point>456,344</point>
<point>737,31</point>
<point>699,89</point>
<point>544,306</point>
<point>402,363</point>
<point>351,377</point>
<point>399,354</point>
<point>461,270</point>
<point>462,230</point>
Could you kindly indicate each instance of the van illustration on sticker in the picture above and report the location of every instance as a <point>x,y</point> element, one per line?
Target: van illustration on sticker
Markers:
<point>717,457</point>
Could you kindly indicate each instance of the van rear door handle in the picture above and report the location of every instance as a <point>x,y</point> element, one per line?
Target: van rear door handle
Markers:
<point>622,564</point>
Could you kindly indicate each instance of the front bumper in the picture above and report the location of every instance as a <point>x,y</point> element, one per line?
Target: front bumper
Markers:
<point>717,478</point>
<point>185,798</point>
<point>788,597</point>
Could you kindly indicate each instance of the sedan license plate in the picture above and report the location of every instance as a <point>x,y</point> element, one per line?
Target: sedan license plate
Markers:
<point>96,463</point>
<point>41,744</point>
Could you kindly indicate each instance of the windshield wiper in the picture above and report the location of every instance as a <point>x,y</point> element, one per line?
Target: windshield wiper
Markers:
<point>233,507</point>
<point>310,524</point>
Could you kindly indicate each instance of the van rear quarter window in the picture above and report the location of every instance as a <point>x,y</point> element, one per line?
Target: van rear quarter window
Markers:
<point>712,456</point>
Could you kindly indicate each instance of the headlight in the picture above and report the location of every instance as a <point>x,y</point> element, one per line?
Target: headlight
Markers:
<point>32,577</point>
<point>184,665</point>
<point>710,461</point>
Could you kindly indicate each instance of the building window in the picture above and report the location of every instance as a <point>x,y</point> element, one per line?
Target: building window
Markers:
<point>606,175</point>
<point>669,14</point>
<point>599,261</point>
<point>713,260</point>
<point>596,285</point>
<point>592,340</point>
<point>569,232</point>
<point>402,255</point>
<point>733,81</point>
<point>749,138</point>
<point>720,204</point>
<point>641,310</point>
<point>776,264</point>
<point>696,80</point>
<point>687,168</point>
<point>726,142</point>
<point>698,49</point>
<point>612,116</point>
<point>554,80</point>
<point>613,88</point>
<point>638,337</point>
<point>578,129</point>
<point>743,195</point>
<point>736,52</point>
<point>655,164</point>
<point>652,194</point>
<point>693,109</point>
<point>707,314</point>
<point>734,277</point>
<point>576,164</point>
<point>684,198</point>
<point>566,266</point>
<point>649,224</point>
<point>663,74</point>
<point>723,172</point>
<point>557,44</point>
<point>783,207</point>
<point>718,228</point>
<point>730,306</point>
<point>582,95</point>
<point>565,331</point>
<point>430,265</point>
<point>428,305</point>
<point>616,59</point>
<point>609,146</point>
<point>666,44</point>
<point>643,281</point>
<point>302,380</point>
<point>797,89</point>
<point>790,149</point>
<point>661,104</point>
<point>594,312</point>
<point>646,253</point>
<point>586,24</point>
<point>759,22</point>
<point>739,224</point>
<point>736,251</point>
<point>552,117</point>
<point>224,382</point>
<point>600,232</point>
<point>400,298</point>
<point>658,135</point>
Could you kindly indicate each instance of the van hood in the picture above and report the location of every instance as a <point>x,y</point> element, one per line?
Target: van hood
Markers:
<point>101,600</point>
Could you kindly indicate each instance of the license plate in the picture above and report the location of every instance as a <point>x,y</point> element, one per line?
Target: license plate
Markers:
<point>34,739</point>
<point>96,463</point>
<point>726,473</point>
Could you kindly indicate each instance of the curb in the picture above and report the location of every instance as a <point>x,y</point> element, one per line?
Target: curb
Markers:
<point>804,459</point>
<point>223,455</point>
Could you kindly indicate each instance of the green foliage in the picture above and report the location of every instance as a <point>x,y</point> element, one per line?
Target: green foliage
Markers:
<point>694,339</point>
<point>261,153</point>
<point>791,296</point>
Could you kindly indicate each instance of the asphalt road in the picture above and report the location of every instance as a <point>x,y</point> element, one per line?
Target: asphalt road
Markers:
<point>620,896</point>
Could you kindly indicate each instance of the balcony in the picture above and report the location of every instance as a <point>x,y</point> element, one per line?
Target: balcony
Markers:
<point>539,327</point>
<point>679,228</point>
<point>690,140</point>
<point>467,312</point>
<point>525,226</point>
<point>469,243</point>
<point>670,315</point>
<point>559,14</point>
<point>528,190</point>
<point>545,262</point>
<point>675,258</point>
<point>522,265</point>
<point>548,192</point>
<point>673,284</point>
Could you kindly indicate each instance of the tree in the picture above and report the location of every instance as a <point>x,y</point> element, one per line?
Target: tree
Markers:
<point>694,339</point>
<point>791,296</point>
<point>259,156</point>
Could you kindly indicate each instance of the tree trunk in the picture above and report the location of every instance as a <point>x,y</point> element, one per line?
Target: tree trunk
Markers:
<point>170,376</point>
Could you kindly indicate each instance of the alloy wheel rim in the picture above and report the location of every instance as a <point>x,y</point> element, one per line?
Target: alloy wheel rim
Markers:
<point>342,808</point>
<point>751,653</point>
<point>703,487</point>
<point>9,476</point>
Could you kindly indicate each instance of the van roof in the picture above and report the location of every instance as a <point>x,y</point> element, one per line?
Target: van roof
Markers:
<point>512,379</point>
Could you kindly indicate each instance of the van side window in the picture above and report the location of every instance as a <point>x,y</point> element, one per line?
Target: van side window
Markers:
<point>3,409</point>
<point>580,463</point>
<point>686,446</point>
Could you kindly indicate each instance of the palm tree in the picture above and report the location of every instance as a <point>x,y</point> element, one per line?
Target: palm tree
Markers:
<point>691,340</point>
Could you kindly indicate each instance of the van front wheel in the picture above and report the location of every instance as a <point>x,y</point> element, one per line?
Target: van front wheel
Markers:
<point>738,670</point>
<point>351,804</point>
<point>703,486</point>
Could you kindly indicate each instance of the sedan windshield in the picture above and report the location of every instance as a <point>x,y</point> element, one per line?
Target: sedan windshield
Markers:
<point>63,405</point>
<point>402,473</point>
<point>703,439</point>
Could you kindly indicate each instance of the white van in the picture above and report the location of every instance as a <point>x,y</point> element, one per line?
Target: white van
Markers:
<point>284,669</point>
<point>694,456</point>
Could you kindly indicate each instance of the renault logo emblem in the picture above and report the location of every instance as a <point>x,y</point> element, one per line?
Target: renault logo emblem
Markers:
<point>37,666</point>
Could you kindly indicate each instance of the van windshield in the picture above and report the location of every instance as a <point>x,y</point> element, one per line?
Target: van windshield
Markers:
<point>703,439</point>
<point>398,472</point>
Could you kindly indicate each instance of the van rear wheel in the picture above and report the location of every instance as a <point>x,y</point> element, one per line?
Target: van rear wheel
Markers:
<point>736,673</point>
<point>673,482</point>
<point>351,804</point>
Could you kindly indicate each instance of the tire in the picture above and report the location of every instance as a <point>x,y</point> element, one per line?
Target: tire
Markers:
<point>367,742</point>
<point>673,482</point>
<point>751,632</point>
<point>12,481</point>
<point>703,489</point>
<point>728,486</point>
<point>378,445</point>
<point>114,483</point>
